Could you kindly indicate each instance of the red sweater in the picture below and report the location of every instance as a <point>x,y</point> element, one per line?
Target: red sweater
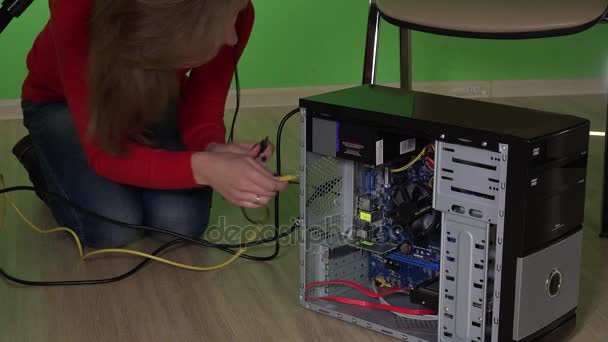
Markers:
<point>57,66</point>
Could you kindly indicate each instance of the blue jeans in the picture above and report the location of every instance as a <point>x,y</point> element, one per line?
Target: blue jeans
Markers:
<point>67,173</point>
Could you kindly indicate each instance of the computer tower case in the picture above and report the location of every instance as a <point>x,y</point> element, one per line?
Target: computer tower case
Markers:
<point>398,187</point>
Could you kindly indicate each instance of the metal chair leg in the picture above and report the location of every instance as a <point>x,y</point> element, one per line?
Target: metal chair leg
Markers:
<point>405,58</point>
<point>371,44</point>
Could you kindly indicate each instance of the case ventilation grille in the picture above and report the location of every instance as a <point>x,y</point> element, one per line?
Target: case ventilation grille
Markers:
<point>412,324</point>
<point>324,200</point>
<point>324,187</point>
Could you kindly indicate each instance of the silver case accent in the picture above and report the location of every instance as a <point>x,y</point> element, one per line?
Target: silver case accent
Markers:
<point>534,307</point>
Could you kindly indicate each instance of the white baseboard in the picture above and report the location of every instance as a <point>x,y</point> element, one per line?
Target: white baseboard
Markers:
<point>10,109</point>
<point>286,97</point>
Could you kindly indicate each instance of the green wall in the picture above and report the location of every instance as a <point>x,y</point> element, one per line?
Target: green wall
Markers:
<point>320,42</point>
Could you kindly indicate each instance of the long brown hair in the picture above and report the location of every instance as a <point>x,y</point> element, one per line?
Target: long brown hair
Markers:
<point>137,48</point>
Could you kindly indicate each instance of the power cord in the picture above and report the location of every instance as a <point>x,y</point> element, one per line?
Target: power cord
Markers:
<point>116,250</point>
<point>181,238</point>
<point>246,216</point>
<point>238,102</point>
<point>92,281</point>
<point>276,199</point>
<point>202,242</point>
<point>235,59</point>
<point>231,139</point>
<point>152,256</point>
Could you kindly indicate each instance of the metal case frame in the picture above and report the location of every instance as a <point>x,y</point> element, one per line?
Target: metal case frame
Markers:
<point>317,263</point>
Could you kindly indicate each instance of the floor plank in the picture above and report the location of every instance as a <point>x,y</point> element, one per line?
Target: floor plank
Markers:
<point>247,301</point>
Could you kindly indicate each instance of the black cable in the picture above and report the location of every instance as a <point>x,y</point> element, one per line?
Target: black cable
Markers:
<point>276,199</point>
<point>182,238</point>
<point>278,236</point>
<point>236,114</point>
<point>233,125</point>
<point>238,103</point>
<point>224,247</point>
<point>123,276</point>
<point>249,219</point>
<point>97,216</point>
<point>94,281</point>
<point>202,242</point>
<point>237,84</point>
<point>231,140</point>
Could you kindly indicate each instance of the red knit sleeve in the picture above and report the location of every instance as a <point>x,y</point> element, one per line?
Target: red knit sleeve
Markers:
<point>142,166</point>
<point>201,113</point>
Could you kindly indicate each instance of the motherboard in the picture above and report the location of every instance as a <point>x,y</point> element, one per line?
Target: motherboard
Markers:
<point>395,222</point>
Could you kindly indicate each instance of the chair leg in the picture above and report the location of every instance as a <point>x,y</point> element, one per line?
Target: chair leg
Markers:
<point>371,44</point>
<point>405,58</point>
<point>604,218</point>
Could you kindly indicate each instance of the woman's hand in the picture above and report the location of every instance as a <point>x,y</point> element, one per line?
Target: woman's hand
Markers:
<point>239,178</point>
<point>251,149</point>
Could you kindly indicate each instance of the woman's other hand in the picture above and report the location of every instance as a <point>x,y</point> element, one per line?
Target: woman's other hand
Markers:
<point>238,177</point>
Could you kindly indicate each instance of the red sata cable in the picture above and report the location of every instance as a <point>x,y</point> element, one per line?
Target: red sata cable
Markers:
<point>430,163</point>
<point>392,308</point>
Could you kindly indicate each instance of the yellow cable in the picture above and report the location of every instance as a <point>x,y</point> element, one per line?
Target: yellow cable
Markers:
<point>116,250</point>
<point>42,231</point>
<point>166,261</point>
<point>410,164</point>
<point>287,178</point>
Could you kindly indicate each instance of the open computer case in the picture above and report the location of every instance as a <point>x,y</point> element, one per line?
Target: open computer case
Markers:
<point>471,209</point>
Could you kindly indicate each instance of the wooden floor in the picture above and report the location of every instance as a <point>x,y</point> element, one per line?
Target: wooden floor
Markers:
<point>247,301</point>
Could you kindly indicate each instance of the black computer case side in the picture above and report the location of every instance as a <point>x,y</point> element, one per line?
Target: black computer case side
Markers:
<point>544,217</point>
<point>556,184</point>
